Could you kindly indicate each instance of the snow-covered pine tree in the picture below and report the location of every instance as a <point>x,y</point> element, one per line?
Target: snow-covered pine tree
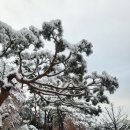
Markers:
<point>60,73</point>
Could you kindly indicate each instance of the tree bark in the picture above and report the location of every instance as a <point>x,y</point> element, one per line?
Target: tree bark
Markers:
<point>45,123</point>
<point>3,95</point>
<point>61,120</point>
<point>35,108</point>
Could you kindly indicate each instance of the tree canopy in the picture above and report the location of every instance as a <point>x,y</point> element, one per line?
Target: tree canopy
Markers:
<point>58,75</point>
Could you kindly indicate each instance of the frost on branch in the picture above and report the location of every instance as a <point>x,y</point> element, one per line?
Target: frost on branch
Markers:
<point>57,77</point>
<point>13,42</point>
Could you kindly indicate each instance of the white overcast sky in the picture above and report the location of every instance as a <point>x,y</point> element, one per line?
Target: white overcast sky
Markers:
<point>105,23</point>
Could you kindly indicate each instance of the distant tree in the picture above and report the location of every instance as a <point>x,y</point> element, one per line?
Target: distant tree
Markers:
<point>58,76</point>
<point>114,120</point>
<point>47,116</point>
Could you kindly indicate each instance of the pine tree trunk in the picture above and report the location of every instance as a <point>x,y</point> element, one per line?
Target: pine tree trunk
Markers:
<point>61,120</point>
<point>0,121</point>
<point>45,120</point>
<point>35,107</point>
<point>3,95</point>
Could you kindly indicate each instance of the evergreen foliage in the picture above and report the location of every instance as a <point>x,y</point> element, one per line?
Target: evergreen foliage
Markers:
<point>58,77</point>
